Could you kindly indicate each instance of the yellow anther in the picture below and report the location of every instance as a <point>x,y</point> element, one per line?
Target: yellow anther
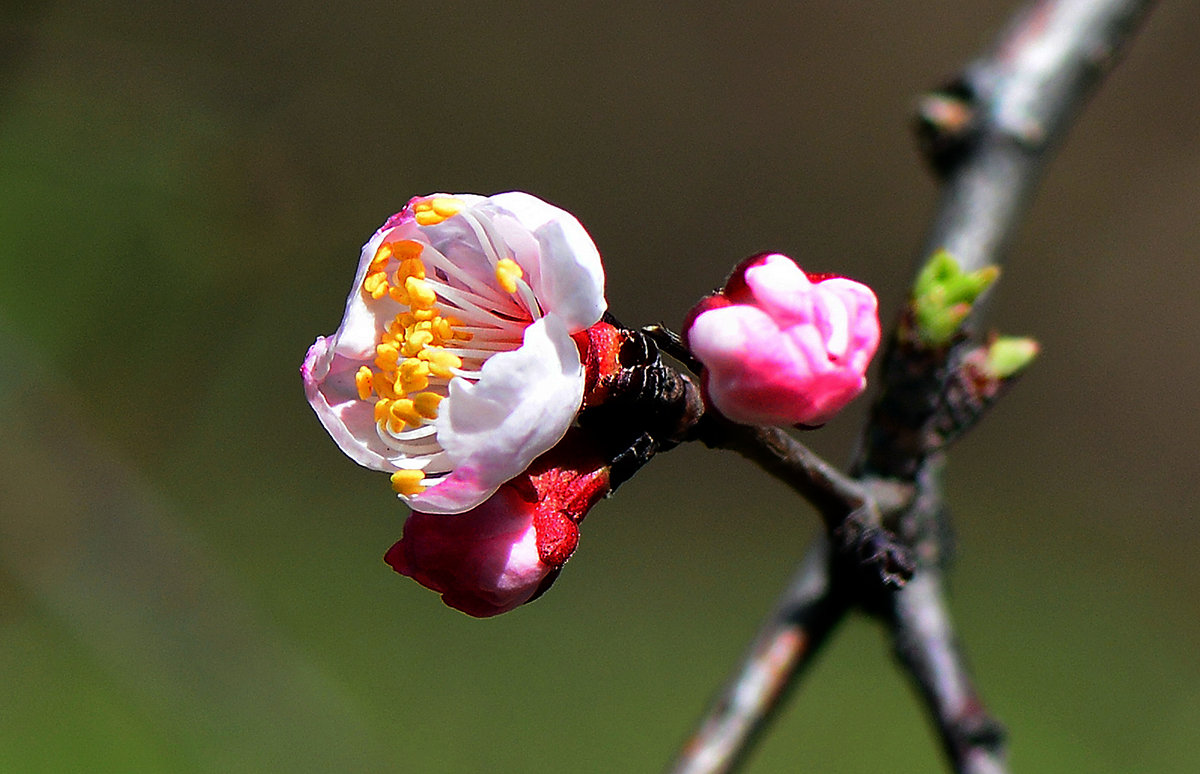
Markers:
<point>410,267</point>
<point>399,294</point>
<point>439,328</point>
<point>381,410</point>
<point>386,356</point>
<point>362,380</point>
<point>426,404</point>
<point>415,342</point>
<point>413,375</point>
<point>434,211</point>
<point>376,284</point>
<point>424,215</point>
<point>414,367</point>
<point>404,410</point>
<point>441,362</point>
<point>385,387</point>
<point>455,333</point>
<point>382,255</point>
<point>507,274</point>
<point>420,315</point>
<point>393,335</point>
<point>418,335</point>
<point>407,249</point>
<point>420,294</point>
<point>408,482</point>
<point>447,206</point>
<point>442,328</point>
<point>414,383</point>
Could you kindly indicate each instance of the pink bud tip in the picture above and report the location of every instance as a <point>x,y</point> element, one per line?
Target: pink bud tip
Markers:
<point>779,348</point>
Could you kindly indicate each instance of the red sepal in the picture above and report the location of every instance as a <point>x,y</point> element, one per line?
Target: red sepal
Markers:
<point>599,350</point>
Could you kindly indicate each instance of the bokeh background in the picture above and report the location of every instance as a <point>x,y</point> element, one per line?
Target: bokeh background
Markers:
<point>190,572</point>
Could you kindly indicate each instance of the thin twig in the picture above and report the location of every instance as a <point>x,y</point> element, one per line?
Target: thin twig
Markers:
<point>831,491</point>
<point>925,643</point>
<point>852,510</point>
<point>808,610</point>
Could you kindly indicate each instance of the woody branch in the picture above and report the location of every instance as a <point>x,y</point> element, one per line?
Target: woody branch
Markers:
<point>988,136</point>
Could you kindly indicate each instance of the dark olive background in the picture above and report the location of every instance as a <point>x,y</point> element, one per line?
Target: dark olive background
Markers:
<point>191,574</point>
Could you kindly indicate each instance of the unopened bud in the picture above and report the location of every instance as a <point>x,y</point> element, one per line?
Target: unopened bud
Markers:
<point>1008,355</point>
<point>943,296</point>
<point>507,550</point>
<point>782,347</point>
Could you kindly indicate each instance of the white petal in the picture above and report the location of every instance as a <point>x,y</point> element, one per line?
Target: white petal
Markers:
<point>572,279</point>
<point>569,278</point>
<point>531,211</point>
<point>330,389</point>
<point>361,325</point>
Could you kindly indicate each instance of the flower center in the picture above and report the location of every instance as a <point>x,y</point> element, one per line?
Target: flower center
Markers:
<point>449,322</point>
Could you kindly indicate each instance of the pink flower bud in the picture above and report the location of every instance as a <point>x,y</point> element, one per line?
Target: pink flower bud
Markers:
<point>780,347</point>
<point>507,550</point>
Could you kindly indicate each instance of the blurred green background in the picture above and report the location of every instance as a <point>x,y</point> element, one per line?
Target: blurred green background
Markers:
<point>191,574</point>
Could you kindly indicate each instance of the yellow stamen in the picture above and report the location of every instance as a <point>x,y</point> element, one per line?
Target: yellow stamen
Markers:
<point>399,294</point>
<point>404,410</point>
<point>413,367</point>
<point>441,361</point>
<point>362,380</point>
<point>426,404</point>
<point>413,375</point>
<point>407,249</point>
<point>382,255</point>
<point>457,334</point>
<point>410,354</point>
<point>385,387</point>
<point>376,284</point>
<point>447,206</point>
<point>416,342</point>
<point>507,274</point>
<point>433,211</point>
<point>420,294</point>
<point>387,355</point>
<point>410,267</point>
<point>408,482</point>
<point>442,328</point>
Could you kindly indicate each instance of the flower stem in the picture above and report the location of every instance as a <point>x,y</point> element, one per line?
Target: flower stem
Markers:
<point>851,509</point>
